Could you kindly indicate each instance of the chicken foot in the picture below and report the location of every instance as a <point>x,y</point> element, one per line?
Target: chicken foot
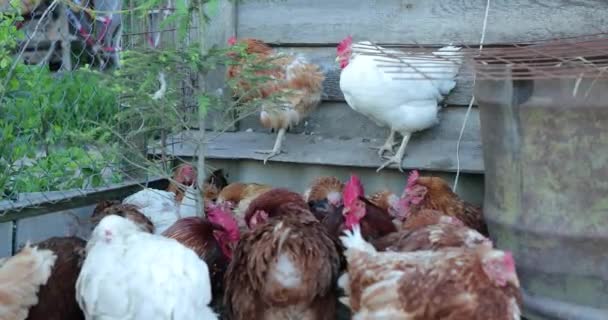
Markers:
<point>388,145</point>
<point>277,146</point>
<point>398,157</point>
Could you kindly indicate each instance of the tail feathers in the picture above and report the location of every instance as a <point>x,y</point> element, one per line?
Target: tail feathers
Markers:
<point>20,279</point>
<point>354,240</point>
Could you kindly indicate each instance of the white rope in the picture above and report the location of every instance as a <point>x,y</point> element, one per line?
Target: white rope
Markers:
<point>466,115</point>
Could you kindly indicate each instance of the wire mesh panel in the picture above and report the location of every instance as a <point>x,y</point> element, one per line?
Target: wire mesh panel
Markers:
<point>553,58</point>
<point>85,87</point>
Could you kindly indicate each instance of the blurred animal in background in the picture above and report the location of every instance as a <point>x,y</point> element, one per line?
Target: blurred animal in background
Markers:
<point>285,267</point>
<point>21,277</point>
<point>131,274</point>
<point>405,106</point>
<point>291,91</point>
<point>449,283</point>
<point>163,208</point>
<point>238,196</point>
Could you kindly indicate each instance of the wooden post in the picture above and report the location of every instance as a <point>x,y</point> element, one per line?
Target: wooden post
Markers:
<point>216,33</point>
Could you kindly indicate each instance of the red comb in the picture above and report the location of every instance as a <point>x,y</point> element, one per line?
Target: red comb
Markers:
<point>352,190</point>
<point>232,41</point>
<point>345,43</point>
<point>414,175</point>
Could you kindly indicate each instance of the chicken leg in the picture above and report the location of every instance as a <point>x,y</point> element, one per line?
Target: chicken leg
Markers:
<point>277,146</point>
<point>398,157</point>
<point>388,144</point>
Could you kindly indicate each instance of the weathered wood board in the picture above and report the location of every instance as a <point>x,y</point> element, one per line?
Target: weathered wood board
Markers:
<point>6,239</point>
<point>325,57</point>
<point>337,119</point>
<point>418,21</point>
<point>74,222</point>
<point>435,155</point>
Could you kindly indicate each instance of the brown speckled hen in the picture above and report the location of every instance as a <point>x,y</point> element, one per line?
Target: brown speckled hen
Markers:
<point>291,91</point>
<point>452,283</point>
<point>435,193</point>
<point>450,233</point>
<point>285,267</point>
<point>57,298</point>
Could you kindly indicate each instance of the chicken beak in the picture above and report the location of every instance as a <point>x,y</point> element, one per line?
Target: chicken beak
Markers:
<point>338,59</point>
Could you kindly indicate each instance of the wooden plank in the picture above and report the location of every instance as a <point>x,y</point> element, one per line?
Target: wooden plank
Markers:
<point>338,120</point>
<point>325,58</point>
<point>73,222</point>
<point>221,27</point>
<point>6,239</point>
<point>43,203</point>
<point>418,21</point>
<point>437,155</point>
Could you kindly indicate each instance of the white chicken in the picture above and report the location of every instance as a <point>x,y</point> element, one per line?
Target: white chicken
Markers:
<point>129,274</point>
<point>405,106</point>
<point>164,208</point>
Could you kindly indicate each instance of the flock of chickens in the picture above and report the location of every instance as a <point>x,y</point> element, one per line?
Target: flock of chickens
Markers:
<point>262,252</point>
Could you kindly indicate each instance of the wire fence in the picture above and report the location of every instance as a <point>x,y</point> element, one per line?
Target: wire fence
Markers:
<point>95,93</point>
<point>86,87</point>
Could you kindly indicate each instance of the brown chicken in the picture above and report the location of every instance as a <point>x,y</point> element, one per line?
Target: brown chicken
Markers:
<point>431,237</point>
<point>325,188</point>
<point>291,91</point>
<point>435,193</point>
<point>20,279</point>
<point>57,298</point>
<point>184,175</point>
<point>212,238</point>
<point>452,283</point>
<point>386,200</point>
<point>375,222</point>
<point>239,195</point>
<point>285,267</point>
<point>128,211</point>
<point>427,217</point>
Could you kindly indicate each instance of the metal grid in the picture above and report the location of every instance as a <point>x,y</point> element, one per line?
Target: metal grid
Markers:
<point>564,58</point>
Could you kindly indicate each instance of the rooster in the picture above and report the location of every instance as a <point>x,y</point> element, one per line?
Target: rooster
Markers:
<point>405,106</point>
<point>57,298</point>
<point>374,221</point>
<point>451,283</point>
<point>212,238</point>
<point>131,274</point>
<point>238,196</point>
<point>285,267</point>
<point>297,82</point>
<point>20,279</point>
<point>163,208</point>
<point>434,193</point>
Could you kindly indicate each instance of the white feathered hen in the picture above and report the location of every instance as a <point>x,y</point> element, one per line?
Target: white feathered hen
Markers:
<point>164,208</point>
<point>405,106</point>
<point>130,275</point>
